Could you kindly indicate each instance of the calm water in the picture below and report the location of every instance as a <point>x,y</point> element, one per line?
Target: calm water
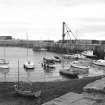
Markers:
<point>13,54</point>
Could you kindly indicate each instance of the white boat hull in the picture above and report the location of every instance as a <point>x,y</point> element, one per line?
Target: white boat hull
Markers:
<point>29,65</point>
<point>79,68</point>
<point>89,54</point>
<point>74,56</point>
<point>3,61</point>
<point>99,64</point>
<point>4,67</point>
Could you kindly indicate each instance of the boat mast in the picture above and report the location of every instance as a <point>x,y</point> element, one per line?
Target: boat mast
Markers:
<point>4,53</point>
<point>27,44</point>
<point>18,74</point>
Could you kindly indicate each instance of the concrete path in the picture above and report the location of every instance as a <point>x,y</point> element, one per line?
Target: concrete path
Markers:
<point>71,99</point>
<point>86,98</point>
<point>98,85</point>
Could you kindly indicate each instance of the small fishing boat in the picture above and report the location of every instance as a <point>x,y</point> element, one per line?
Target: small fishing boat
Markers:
<point>43,49</point>
<point>73,56</point>
<point>4,66</point>
<point>39,49</point>
<point>69,73</point>
<point>30,93</point>
<point>21,89</point>
<point>89,54</point>
<point>47,66</point>
<point>52,60</point>
<point>57,59</point>
<point>48,61</point>
<point>3,61</point>
<point>80,66</point>
<point>99,64</point>
<point>66,56</point>
<point>29,65</point>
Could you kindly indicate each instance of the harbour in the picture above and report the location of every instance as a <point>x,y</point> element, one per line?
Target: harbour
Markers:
<point>44,70</point>
<point>52,52</point>
<point>13,54</point>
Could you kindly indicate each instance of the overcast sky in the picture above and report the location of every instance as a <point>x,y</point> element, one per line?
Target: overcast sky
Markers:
<point>42,19</point>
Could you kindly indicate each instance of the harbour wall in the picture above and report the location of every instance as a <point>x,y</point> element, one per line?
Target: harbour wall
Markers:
<point>17,43</point>
<point>71,48</point>
<point>52,46</point>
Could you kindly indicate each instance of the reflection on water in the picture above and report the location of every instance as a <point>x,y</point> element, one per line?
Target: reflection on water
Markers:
<point>4,72</point>
<point>29,74</point>
<point>13,54</point>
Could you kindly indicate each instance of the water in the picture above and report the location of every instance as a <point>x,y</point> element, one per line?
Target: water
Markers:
<point>13,54</point>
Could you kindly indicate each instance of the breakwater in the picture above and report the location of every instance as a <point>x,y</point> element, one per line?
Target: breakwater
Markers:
<point>25,43</point>
<point>17,43</point>
<point>70,48</point>
<point>51,45</point>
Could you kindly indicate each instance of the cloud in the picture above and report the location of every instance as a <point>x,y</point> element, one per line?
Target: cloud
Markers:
<point>36,3</point>
<point>92,36</point>
<point>68,3</point>
<point>43,18</point>
<point>92,28</point>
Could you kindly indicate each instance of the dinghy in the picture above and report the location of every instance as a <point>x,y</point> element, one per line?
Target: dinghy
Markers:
<point>29,65</point>
<point>80,66</point>
<point>99,64</point>
<point>21,89</point>
<point>69,73</point>
<point>89,54</point>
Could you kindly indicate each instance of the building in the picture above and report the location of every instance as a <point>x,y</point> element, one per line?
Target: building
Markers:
<point>5,37</point>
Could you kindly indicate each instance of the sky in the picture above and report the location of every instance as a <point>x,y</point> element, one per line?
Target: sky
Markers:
<point>42,19</point>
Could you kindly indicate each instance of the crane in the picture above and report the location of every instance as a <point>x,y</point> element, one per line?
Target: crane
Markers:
<point>67,31</point>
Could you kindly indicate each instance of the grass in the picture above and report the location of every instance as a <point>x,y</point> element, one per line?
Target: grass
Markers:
<point>50,90</point>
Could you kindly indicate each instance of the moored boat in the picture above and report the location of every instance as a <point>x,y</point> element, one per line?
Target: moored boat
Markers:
<point>80,67</point>
<point>22,90</point>
<point>3,61</point>
<point>73,56</point>
<point>47,66</point>
<point>37,48</point>
<point>30,93</point>
<point>4,67</point>
<point>69,73</point>
<point>99,64</point>
<point>29,65</point>
<point>48,60</point>
<point>89,54</point>
<point>57,59</point>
